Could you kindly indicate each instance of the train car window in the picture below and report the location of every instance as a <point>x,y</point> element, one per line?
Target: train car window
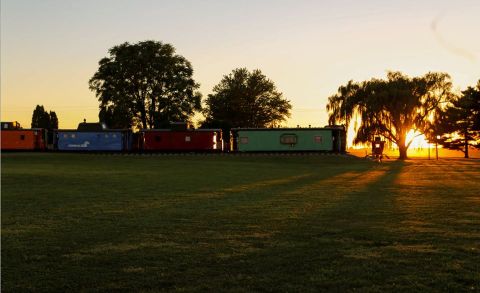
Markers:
<point>317,139</point>
<point>288,139</point>
<point>187,139</point>
<point>65,135</point>
<point>114,135</point>
<point>73,135</point>
<point>158,138</point>
<point>22,137</point>
<point>244,140</point>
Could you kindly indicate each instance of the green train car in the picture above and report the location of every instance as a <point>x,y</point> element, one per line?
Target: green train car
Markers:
<point>327,139</point>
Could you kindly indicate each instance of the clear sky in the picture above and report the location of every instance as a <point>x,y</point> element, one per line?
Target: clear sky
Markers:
<point>50,49</point>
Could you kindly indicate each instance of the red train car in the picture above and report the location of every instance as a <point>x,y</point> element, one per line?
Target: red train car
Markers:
<point>13,137</point>
<point>181,139</point>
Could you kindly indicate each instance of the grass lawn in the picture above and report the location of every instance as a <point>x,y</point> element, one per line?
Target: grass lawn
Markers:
<point>74,222</point>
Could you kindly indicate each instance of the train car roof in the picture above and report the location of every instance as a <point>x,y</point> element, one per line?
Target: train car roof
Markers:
<point>23,129</point>
<point>284,129</point>
<point>175,130</point>
<point>92,131</point>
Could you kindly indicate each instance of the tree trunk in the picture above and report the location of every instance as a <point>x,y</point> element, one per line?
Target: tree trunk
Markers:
<point>403,152</point>
<point>144,119</point>
<point>466,144</point>
<point>401,146</point>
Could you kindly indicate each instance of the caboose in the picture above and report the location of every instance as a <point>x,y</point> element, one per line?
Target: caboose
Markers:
<point>181,137</point>
<point>14,137</point>
<point>326,139</point>
<point>93,137</point>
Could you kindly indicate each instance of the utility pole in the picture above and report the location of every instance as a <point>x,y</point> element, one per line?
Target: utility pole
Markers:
<point>428,147</point>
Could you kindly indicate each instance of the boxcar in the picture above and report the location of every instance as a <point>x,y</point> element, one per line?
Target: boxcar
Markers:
<point>93,137</point>
<point>13,137</point>
<point>339,135</point>
<point>171,140</point>
<point>288,139</point>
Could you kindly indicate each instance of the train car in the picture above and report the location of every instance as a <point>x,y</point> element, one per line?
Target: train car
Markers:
<point>15,138</point>
<point>93,137</point>
<point>339,138</point>
<point>328,139</point>
<point>181,138</point>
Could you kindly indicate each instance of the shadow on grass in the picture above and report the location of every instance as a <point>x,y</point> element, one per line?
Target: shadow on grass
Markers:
<point>337,229</point>
<point>176,243</point>
<point>252,237</point>
<point>361,243</point>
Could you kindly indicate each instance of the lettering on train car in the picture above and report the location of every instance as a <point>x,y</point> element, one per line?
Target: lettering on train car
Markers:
<point>83,145</point>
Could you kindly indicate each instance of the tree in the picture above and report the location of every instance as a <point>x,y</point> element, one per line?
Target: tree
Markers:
<point>392,107</point>
<point>115,117</point>
<point>458,126</point>
<point>44,119</point>
<point>53,120</point>
<point>146,85</point>
<point>245,99</point>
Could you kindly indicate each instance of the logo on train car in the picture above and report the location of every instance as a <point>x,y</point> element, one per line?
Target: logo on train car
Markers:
<point>83,145</point>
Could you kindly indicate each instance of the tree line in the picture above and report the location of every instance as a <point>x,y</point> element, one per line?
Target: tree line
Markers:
<point>147,85</point>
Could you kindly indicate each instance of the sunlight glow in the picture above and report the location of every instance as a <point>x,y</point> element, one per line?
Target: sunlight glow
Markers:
<point>419,140</point>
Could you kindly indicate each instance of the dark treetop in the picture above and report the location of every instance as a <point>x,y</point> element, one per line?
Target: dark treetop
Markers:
<point>145,85</point>
<point>245,99</point>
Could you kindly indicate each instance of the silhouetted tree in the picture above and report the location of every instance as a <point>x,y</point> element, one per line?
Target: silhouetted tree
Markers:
<point>43,119</point>
<point>146,84</point>
<point>391,107</point>
<point>53,120</point>
<point>115,117</point>
<point>459,124</point>
<point>245,99</point>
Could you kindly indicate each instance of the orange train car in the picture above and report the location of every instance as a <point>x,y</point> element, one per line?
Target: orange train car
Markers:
<point>13,137</point>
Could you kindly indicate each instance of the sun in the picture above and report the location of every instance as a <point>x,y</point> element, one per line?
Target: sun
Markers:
<point>419,140</point>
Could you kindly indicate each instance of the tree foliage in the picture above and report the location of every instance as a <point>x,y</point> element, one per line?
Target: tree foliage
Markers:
<point>44,119</point>
<point>245,99</point>
<point>458,125</point>
<point>146,85</point>
<point>116,117</point>
<point>390,107</point>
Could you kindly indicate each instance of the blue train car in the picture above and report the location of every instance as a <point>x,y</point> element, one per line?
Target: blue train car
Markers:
<point>93,137</point>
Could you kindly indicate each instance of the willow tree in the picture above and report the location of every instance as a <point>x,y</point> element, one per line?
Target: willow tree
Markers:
<point>390,107</point>
<point>145,84</point>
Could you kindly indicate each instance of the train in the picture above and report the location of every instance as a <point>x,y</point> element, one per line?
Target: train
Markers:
<point>179,137</point>
<point>14,137</point>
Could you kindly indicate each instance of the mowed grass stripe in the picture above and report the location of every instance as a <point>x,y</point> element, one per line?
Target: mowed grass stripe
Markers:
<point>439,225</point>
<point>236,224</point>
<point>88,198</point>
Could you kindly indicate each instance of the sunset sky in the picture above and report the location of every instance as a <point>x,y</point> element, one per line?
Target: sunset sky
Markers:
<point>50,49</point>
